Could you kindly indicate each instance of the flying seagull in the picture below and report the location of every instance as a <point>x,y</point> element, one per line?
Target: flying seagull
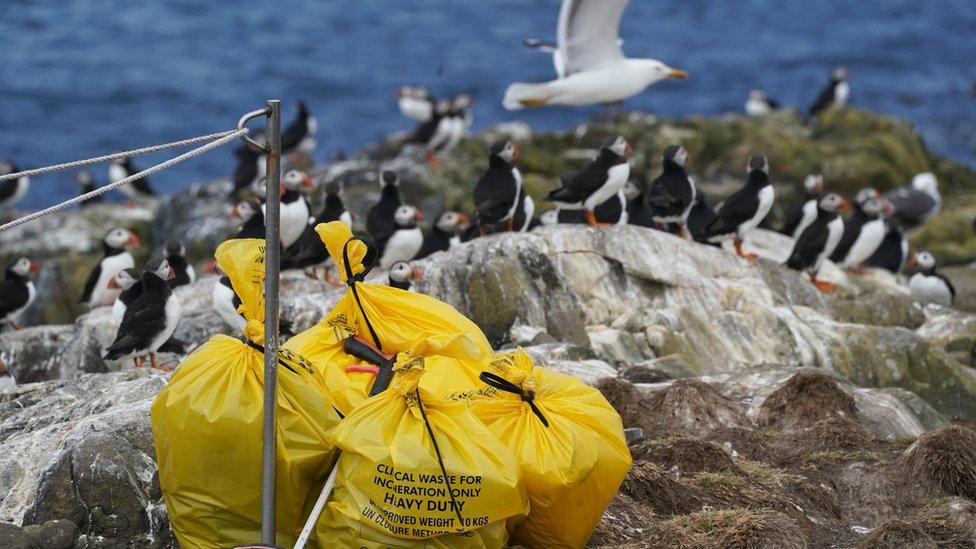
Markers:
<point>590,66</point>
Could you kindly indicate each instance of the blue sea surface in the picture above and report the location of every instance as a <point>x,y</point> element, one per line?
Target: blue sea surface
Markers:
<point>86,77</point>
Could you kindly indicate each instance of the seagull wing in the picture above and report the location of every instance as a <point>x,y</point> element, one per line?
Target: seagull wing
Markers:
<point>588,34</point>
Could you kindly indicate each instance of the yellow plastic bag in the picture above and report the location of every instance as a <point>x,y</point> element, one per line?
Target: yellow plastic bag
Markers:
<point>207,425</point>
<point>569,443</point>
<point>416,467</point>
<point>391,320</point>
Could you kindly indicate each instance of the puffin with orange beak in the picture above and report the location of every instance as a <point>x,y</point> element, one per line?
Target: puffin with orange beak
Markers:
<point>116,257</point>
<point>17,291</point>
<point>294,207</point>
<point>406,240</point>
<point>150,320</point>
<point>446,228</point>
<point>599,180</point>
<point>820,239</point>
<point>403,275</point>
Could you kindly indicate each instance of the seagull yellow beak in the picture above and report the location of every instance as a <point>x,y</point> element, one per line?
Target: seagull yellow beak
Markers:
<point>677,73</point>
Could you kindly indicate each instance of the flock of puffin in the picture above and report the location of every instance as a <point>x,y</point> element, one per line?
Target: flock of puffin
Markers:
<point>590,68</point>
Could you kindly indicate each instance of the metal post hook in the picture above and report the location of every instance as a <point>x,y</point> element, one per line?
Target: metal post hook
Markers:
<point>250,143</point>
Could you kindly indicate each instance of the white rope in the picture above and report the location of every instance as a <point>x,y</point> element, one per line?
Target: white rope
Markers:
<point>227,137</point>
<point>122,154</point>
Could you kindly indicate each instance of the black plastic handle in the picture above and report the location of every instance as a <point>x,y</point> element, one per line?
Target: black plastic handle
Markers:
<point>362,351</point>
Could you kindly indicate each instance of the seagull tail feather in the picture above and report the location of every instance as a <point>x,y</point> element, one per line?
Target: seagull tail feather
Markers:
<point>520,96</point>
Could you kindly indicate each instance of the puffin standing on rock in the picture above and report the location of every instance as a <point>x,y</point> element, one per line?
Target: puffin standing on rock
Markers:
<point>17,291</point>
<point>251,213</point>
<point>759,104</point>
<point>917,203</point>
<point>499,193</point>
<point>446,229</point>
<point>97,292</point>
<point>402,275</point>
<point>813,187</point>
<point>309,251</point>
<point>892,254</point>
<point>927,285</point>
<point>863,232</point>
<point>671,196</point>
<point>745,209</point>
<point>405,238</point>
<point>294,211</point>
<point>637,213</point>
<point>599,180</point>
<point>837,92</point>
<point>299,137</point>
<point>183,271</point>
<point>820,239</point>
<point>149,320</point>
<point>12,190</point>
<point>379,216</point>
<point>130,285</point>
<point>119,169</point>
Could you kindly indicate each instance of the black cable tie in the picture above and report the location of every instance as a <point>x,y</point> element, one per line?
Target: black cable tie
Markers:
<point>503,384</point>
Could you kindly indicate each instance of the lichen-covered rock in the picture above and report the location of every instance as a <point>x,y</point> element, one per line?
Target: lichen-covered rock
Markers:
<point>82,450</point>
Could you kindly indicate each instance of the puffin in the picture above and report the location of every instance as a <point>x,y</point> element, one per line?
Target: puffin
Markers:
<point>892,254</point>
<point>252,215</point>
<point>415,102</point>
<point>759,104</point>
<point>379,218</point>
<point>309,251</point>
<point>119,169</point>
<point>402,275</point>
<point>613,211</point>
<point>299,136</point>
<point>460,119</point>
<point>820,239</point>
<point>183,272</point>
<point>250,170</point>
<point>150,320</point>
<point>12,190</point>
<point>85,180</point>
<point>226,301</point>
<point>498,193</point>
<point>802,217</point>
<point>129,281</point>
<point>116,257</point>
<point>447,227</point>
<point>406,239</point>
<point>836,92</point>
<point>745,209</point>
<point>17,290</point>
<point>864,231</point>
<point>672,194</point>
<point>637,212</point>
<point>294,211</point>
<point>599,180</point>
<point>7,380</point>
<point>433,132</point>
<point>918,202</point>
<point>927,285</point>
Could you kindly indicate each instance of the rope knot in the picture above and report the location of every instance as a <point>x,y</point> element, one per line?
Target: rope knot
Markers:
<point>525,389</point>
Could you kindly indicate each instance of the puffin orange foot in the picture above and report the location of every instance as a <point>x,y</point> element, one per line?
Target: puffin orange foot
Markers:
<point>533,102</point>
<point>860,270</point>
<point>433,159</point>
<point>824,286</point>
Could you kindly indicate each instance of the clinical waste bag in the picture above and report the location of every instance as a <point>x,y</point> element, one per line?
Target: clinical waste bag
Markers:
<point>207,425</point>
<point>417,467</point>
<point>569,442</point>
<point>390,319</point>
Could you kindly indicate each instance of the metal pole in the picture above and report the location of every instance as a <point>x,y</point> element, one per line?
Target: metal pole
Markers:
<point>272,264</point>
